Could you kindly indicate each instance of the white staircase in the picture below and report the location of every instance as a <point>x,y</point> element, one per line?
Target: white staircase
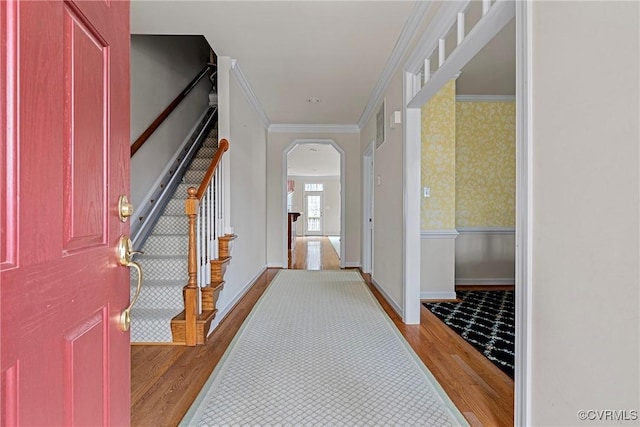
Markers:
<point>164,262</point>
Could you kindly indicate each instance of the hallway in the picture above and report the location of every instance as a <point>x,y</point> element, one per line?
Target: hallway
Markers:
<point>166,379</point>
<point>314,253</point>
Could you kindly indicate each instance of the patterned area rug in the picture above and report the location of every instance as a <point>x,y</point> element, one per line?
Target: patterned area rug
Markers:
<point>486,320</point>
<point>317,349</point>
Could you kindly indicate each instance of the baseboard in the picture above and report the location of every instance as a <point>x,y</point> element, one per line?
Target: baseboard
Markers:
<point>352,264</point>
<point>275,265</point>
<point>487,281</point>
<point>388,298</point>
<point>225,311</point>
<point>438,295</point>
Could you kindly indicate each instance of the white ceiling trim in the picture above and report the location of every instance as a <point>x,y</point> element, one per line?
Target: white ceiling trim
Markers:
<point>293,128</point>
<point>489,25</point>
<point>406,35</point>
<point>248,92</point>
<point>486,98</point>
<point>443,22</point>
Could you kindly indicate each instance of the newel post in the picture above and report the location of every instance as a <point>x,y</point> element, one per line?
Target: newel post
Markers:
<point>190,291</point>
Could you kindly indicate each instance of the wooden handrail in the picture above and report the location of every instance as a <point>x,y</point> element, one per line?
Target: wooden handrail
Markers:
<point>158,121</point>
<point>223,146</point>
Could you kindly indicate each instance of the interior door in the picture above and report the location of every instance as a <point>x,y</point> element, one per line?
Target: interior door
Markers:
<point>64,163</point>
<point>313,219</point>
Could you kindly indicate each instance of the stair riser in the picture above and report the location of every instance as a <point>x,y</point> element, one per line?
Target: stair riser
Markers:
<point>181,191</point>
<point>165,296</point>
<point>171,224</point>
<point>206,153</point>
<point>175,207</point>
<point>167,245</point>
<point>150,330</point>
<point>200,164</point>
<point>164,269</point>
<point>194,177</point>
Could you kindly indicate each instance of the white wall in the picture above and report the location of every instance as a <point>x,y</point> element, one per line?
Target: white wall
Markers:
<point>388,202</point>
<point>276,204</point>
<point>331,201</point>
<point>247,170</point>
<point>585,310</point>
<point>161,67</point>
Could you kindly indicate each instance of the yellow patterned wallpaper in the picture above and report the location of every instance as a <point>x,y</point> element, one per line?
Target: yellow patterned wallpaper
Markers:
<point>485,164</point>
<point>438,163</point>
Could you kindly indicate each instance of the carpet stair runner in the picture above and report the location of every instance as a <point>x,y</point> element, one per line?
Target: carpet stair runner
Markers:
<point>164,263</point>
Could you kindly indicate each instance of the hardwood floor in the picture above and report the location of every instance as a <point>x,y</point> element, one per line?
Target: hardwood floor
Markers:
<point>166,379</point>
<point>313,253</point>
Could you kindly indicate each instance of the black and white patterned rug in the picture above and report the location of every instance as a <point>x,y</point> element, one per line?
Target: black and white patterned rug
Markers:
<point>486,320</point>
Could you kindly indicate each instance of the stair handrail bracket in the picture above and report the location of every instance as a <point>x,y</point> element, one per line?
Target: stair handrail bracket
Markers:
<point>205,212</point>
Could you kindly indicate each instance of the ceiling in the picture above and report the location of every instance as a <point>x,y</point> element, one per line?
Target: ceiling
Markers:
<point>290,51</point>
<point>313,160</point>
<point>336,51</point>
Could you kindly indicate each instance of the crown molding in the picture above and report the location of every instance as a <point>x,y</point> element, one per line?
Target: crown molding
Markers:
<point>306,128</point>
<point>442,23</point>
<point>486,98</point>
<point>407,34</point>
<point>248,92</point>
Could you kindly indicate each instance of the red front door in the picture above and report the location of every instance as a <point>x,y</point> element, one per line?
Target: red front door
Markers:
<point>64,162</point>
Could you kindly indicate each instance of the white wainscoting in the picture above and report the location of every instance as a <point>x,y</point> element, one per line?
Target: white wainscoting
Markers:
<point>437,266</point>
<point>485,256</point>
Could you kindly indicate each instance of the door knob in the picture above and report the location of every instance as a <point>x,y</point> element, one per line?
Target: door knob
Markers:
<point>125,257</point>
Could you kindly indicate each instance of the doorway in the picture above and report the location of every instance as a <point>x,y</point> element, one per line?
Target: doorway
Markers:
<point>367,210</point>
<point>313,205</point>
<point>313,182</point>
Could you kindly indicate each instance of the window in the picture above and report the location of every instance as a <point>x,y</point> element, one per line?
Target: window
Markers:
<point>289,201</point>
<point>313,187</point>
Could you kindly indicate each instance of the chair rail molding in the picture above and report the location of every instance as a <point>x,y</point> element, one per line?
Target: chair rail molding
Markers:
<point>439,234</point>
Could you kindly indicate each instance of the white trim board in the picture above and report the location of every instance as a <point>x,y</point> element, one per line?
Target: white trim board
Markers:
<point>442,23</point>
<point>248,92</point>
<point>304,128</point>
<point>523,375</point>
<point>352,264</point>
<point>486,230</point>
<point>387,297</point>
<point>485,98</point>
<point>487,281</point>
<point>438,234</point>
<point>437,295</point>
<point>225,311</point>
<point>498,16</point>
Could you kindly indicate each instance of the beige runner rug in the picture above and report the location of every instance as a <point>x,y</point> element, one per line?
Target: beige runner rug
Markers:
<point>317,349</point>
